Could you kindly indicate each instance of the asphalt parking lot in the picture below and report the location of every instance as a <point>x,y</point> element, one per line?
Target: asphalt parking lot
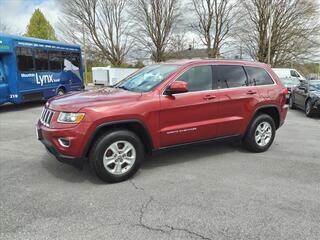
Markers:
<point>212,191</point>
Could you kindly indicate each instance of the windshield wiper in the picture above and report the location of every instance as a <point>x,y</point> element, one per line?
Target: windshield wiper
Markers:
<point>124,88</point>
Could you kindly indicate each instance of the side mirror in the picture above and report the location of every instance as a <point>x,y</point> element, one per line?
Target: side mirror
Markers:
<point>177,87</point>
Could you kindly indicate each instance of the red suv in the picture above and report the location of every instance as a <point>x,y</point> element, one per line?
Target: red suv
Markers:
<point>162,106</point>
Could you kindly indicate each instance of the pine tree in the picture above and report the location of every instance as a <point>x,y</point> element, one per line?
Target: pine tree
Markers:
<point>39,27</point>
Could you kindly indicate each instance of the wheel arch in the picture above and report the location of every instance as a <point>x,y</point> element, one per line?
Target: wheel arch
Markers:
<point>134,125</point>
<point>61,87</point>
<point>271,110</point>
<point>307,99</point>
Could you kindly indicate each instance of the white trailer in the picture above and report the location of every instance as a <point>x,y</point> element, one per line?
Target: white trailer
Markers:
<point>109,76</point>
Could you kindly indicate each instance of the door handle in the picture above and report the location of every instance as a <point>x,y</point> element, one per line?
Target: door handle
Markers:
<point>209,97</point>
<point>251,92</point>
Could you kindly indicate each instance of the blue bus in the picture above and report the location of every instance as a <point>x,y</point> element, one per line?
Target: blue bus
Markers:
<point>35,69</point>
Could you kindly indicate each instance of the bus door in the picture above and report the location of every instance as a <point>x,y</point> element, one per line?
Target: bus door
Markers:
<point>3,84</point>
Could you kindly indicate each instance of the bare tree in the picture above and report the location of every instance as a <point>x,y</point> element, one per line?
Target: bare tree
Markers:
<point>156,21</point>
<point>215,19</point>
<point>290,28</point>
<point>4,28</point>
<point>106,25</point>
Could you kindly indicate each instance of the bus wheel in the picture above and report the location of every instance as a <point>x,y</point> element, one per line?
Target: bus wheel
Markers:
<point>60,92</point>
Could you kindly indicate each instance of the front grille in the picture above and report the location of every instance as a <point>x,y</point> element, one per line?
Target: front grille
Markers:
<point>46,117</point>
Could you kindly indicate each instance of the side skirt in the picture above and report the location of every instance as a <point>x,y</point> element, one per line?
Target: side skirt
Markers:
<point>195,143</point>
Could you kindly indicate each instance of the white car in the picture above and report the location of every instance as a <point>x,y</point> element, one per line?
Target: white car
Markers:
<point>288,73</point>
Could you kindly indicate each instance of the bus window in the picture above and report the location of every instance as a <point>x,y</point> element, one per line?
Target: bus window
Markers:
<point>55,61</point>
<point>75,59</point>
<point>41,60</point>
<point>72,57</point>
<point>25,59</point>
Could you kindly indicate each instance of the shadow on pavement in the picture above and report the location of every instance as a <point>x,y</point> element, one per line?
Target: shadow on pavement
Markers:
<point>191,153</point>
<point>10,107</point>
<point>69,173</point>
<point>302,114</point>
<point>168,158</point>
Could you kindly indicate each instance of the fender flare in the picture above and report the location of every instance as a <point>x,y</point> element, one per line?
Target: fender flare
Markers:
<point>117,122</point>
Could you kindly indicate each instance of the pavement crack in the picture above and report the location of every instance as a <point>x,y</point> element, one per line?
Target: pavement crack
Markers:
<point>167,229</point>
<point>141,217</point>
<point>136,186</point>
<point>189,232</point>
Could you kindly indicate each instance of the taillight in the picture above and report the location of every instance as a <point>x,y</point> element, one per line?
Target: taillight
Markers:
<point>285,94</point>
<point>285,91</point>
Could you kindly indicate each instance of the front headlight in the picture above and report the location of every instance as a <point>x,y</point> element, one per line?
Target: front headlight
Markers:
<point>65,117</point>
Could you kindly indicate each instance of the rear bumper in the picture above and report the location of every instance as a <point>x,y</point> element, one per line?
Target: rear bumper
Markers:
<point>283,114</point>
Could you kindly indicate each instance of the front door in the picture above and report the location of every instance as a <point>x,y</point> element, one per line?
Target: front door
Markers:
<point>3,85</point>
<point>191,116</point>
<point>300,94</point>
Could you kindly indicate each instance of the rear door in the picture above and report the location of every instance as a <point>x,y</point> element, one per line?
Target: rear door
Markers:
<point>4,93</point>
<point>236,99</point>
<point>190,116</point>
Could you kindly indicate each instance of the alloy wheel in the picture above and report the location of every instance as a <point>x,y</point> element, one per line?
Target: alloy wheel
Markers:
<point>119,157</point>
<point>263,134</point>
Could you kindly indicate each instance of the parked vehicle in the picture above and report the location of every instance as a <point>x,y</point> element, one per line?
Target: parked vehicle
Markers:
<point>164,106</point>
<point>109,76</point>
<point>34,69</point>
<point>290,83</point>
<point>288,73</point>
<point>306,96</point>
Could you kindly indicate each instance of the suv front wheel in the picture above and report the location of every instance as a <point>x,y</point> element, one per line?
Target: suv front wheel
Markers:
<point>260,134</point>
<point>117,155</point>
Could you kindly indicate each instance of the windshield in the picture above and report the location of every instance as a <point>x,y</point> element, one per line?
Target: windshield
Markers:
<point>147,78</point>
<point>290,81</point>
<point>315,86</point>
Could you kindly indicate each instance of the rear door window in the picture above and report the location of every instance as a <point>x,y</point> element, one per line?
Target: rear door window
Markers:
<point>258,76</point>
<point>231,76</point>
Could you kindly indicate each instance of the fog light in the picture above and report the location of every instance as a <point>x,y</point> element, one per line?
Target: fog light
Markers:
<point>64,142</point>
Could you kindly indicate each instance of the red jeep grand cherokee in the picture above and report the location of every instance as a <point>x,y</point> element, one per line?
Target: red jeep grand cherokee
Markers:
<point>161,106</point>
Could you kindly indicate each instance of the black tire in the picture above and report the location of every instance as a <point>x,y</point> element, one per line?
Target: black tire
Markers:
<point>100,147</point>
<point>291,103</point>
<point>61,92</point>
<point>249,140</point>
<point>308,108</point>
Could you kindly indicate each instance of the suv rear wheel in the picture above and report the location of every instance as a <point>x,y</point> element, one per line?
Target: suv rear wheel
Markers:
<point>260,134</point>
<point>117,155</point>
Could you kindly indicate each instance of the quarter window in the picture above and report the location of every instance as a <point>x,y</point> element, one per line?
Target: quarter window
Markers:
<point>198,78</point>
<point>258,76</point>
<point>231,76</point>
<point>25,59</point>
<point>41,60</point>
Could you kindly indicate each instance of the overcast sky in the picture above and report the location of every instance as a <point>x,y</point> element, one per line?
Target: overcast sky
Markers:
<point>16,13</point>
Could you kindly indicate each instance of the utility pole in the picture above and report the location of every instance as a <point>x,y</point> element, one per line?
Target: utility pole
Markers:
<point>84,54</point>
<point>270,30</point>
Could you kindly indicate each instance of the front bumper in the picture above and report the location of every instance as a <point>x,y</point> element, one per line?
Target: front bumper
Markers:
<point>51,146</point>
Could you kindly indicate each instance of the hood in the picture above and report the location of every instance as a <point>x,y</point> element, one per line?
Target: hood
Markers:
<point>73,102</point>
